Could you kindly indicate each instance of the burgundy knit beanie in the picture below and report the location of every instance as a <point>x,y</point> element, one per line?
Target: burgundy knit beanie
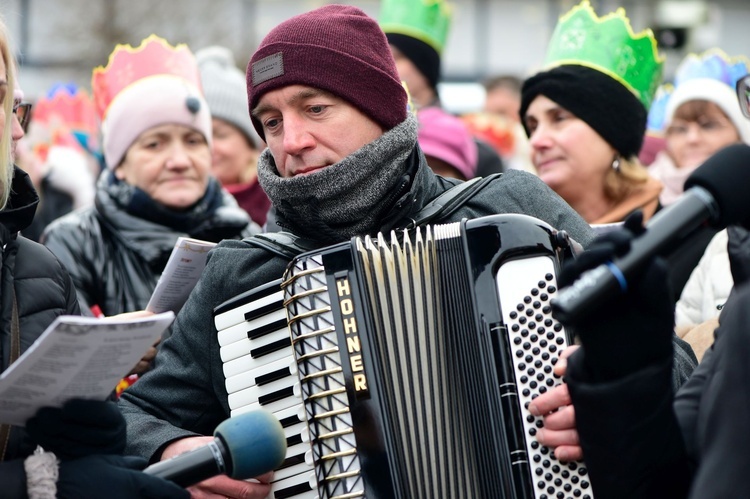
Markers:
<point>336,48</point>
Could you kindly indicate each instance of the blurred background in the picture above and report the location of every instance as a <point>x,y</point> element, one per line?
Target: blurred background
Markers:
<point>59,41</point>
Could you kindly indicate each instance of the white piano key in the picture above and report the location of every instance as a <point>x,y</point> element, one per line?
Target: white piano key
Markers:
<point>240,331</point>
<point>301,467</point>
<point>237,315</point>
<point>247,362</point>
<point>281,488</point>
<point>245,346</point>
<point>252,395</point>
<point>249,378</point>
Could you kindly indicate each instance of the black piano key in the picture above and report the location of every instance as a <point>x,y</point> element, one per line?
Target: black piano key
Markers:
<point>294,440</point>
<point>265,309</point>
<point>261,331</point>
<point>271,347</point>
<point>292,461</point>
<point>292,491</point>
<point>277,395</point>
<point>273,376</point>
<point>290,421</point>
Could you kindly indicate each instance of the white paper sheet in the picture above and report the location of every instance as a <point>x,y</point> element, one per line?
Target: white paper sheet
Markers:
<point>81,357</point>
<point>183,269</point>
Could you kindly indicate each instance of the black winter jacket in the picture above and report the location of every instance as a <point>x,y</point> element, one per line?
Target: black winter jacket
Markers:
<point>115,258</point>
<point>43,290</point>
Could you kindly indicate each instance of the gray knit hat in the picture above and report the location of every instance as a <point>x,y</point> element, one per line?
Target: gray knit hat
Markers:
<point>225,89</point>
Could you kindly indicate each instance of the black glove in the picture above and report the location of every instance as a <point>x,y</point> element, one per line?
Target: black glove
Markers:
<point>633,330</point>
<point>113,477</point>
<point>80,428</point>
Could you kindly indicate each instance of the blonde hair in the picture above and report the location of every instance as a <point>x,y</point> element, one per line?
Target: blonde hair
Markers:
<point>618,185</point>
<point>6,151</point>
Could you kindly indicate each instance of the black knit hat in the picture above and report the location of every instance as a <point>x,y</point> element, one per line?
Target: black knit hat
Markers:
<point>422,55</point>
<point>602,102</point>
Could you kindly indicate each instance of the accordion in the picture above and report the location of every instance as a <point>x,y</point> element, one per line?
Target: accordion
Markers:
<point>404,366</point>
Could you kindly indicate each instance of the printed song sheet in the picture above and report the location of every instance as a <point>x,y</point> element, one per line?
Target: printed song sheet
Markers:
<point>80,357</point>
<point>184,268</point>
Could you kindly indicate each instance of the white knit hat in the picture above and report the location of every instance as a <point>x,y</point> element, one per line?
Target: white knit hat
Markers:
<point>708,89</point>
<point>225,89</point>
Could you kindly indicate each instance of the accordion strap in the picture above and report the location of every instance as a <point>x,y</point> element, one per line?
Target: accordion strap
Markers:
<point>283,244</point>
<point>451,200</point>
<point>289,246</point>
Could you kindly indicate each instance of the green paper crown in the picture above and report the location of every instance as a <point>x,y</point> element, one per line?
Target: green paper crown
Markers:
<point>425,20</point>
<point>609,45</point>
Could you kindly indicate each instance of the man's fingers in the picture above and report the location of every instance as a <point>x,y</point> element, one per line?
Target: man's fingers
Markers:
<point>562,363</point>
<point>564,419</point>
<point>567,453</point>
<point>555,438</point>
<point>550,401</point>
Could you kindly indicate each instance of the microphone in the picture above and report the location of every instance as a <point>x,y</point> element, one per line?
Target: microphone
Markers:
<point>715,194</point>
<point>244,446</point>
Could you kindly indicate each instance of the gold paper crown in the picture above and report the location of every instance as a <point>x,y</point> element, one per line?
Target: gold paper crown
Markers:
<point>609,45</point>
<point>126,65</point>
<point>425,20</point>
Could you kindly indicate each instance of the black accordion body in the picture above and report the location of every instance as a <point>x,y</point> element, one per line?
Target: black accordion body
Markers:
<point>412,361</point>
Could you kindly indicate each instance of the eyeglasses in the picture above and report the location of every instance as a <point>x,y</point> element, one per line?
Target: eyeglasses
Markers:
<point>23,111</point>
<point>743,94</point>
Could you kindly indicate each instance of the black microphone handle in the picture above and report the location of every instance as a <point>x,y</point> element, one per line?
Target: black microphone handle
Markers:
<point>192,466</point>
<point>666,230</point>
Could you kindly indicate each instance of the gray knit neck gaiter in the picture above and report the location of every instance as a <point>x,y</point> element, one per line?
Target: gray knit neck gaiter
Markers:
<point>348,198</point>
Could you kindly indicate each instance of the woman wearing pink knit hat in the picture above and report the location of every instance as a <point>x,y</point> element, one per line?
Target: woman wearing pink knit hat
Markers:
<point>156,136</point>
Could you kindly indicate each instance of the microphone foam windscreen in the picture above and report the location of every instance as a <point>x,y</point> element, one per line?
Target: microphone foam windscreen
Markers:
<point>726,175</point>
<point>255,441</point>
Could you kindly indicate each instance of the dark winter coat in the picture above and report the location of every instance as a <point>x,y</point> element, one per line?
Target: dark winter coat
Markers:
<point>116,257</point>
<point>43,291</point>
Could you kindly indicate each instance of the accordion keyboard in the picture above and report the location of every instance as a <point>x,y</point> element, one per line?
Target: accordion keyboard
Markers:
<point>261,373</point>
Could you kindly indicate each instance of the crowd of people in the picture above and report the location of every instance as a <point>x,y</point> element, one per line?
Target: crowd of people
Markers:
<point>172,144</point>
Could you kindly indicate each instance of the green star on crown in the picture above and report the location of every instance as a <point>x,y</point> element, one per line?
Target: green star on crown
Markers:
<point>608,44</point>
<point>425,20</point>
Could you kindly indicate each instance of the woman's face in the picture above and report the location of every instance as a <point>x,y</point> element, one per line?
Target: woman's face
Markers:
<point>171,163</point>
<point>232,157</point>
<point>568,154</point>
<point>16,132</point>
<point>696,132</point>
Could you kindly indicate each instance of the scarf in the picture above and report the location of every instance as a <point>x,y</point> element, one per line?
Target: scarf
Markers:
<point>671,177</point>
<point>348,198</point>
<point>139,204</point>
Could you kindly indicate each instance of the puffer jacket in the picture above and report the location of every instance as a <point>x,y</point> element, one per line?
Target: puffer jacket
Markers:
<point>115,258</point>
<point>43,291</point>
<point>709,285</point>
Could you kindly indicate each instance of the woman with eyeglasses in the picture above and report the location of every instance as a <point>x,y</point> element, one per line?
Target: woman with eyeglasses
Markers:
<point>701,117</point>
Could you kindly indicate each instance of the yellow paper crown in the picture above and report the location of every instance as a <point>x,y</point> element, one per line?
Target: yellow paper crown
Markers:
<point>609,45</point>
